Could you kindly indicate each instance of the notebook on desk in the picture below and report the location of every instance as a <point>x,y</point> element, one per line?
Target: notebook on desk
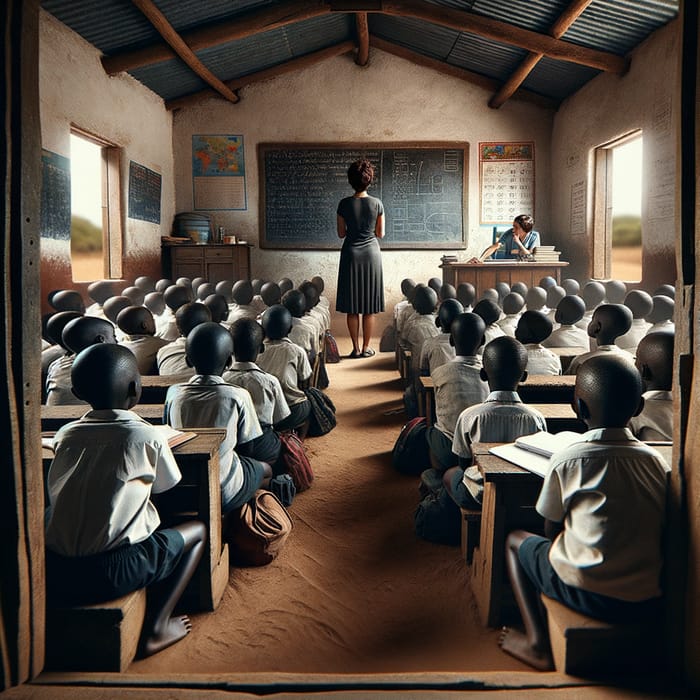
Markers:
<point>532,452</point>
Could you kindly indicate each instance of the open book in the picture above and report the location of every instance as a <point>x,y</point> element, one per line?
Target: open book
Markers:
<point>175,437</point>
<point>532,452</point>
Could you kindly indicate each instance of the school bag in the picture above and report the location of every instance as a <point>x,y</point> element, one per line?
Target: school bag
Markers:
<point>283,487</point>
<point>331,348</point>
<point>411,454</point>
<point>438,519</point>
<point>257,532</point>
<point>294,461</point>
<point>322,419</point>
<point>387,342</point>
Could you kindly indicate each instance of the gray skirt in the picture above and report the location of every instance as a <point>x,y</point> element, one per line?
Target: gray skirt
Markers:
<point>360,278</point>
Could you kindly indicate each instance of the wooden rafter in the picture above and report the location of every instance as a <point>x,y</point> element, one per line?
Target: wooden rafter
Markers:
<point>559,28</point>
<point>288,67</point>
<point>167,31</point>
<point>362,39</point>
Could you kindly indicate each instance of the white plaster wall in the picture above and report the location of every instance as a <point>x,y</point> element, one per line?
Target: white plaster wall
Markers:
<point>75,90</point>
<point>606,108</point>
<point>390,100</point>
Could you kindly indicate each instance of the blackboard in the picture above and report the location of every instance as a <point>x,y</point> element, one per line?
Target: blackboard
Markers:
<point>423,187</point>
<point>144,193</point>
<point>55,196</point>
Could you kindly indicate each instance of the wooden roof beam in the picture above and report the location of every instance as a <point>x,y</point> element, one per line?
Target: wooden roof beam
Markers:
<point>167,31</point>
<point>362,28</point>
<point>288,67</point>
<point>559,28</point>
<point>455,72</point>
<point>462,21</point>
<point>270,17</point>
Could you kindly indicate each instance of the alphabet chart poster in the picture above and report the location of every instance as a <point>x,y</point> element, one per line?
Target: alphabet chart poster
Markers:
<point>507,179</point>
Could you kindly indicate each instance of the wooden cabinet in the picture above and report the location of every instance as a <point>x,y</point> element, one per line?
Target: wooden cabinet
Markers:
<point>214,262</point>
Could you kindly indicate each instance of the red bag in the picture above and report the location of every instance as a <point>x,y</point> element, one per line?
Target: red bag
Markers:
<point>331,348</point>
<point>293,461</point>
<point>411,454</point>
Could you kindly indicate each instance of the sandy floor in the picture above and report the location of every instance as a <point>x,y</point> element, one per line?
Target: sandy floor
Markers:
<point>354,590</point>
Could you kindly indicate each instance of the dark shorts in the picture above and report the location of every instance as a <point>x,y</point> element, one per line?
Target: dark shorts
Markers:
<point>253,475</point>
<point>534,558</point>
<point>265,448</point>
<point>460,494</point>
<point>440,447</point>
<point>114,573</point>
<point>300,413</point>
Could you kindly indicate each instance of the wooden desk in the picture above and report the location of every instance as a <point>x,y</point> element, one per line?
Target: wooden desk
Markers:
<point>548,388</point>
<point>567,354</point>
<point>54,417</point>
<point>197,495</point>
<point>154,388</point>
<point>487,274</point>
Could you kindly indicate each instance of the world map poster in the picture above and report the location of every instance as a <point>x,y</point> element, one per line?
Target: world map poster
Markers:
<point>218,172</point>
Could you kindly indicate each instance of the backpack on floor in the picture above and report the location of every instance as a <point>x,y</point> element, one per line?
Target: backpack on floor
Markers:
<point>322,419</point>
<point>438,519</point>
<point>331,348</point>
<point>283,487</point>
<point>387,342</point>
<point>294,461</point>
<point>411,453</point>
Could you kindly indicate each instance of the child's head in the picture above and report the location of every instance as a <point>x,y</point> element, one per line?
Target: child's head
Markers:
<point>513,303</point>
<point>276,322</point>
<point>535,298</point>
<point>667,290</point>
<point>196,282</point>
<point>318,282</point>
<point>310,293</point>
<point>520,288</point>
<point>135,294</point>
<point>145,283</point>
<point>609,322</point>
<point>491,294</point>
<point>163,283</point>
<point>224,288</point>
<point>447,312</point>
<point>218,307</point>
<point>85,331</point>
<point>247,337</point>
<point>608,392</point>
<point>424,300</point>
<point>662,309</point>
<point>242,292</point>
<point>155,303</point>
<point>467,333</point>
<point>68,300</point>
<point>555,294</point>
<point>447,291</point>
<point>270,293</point>
<point>101,290</point>
<point>503,289</point>
<point>209,348</point>
<point>295,302</point>
<point>615,291</point>
<point>176,296</point>
<point>570,310</point>
<point>186,282</point>
<point>256,284</point>
<point>547,282</point>
<point>655,361</point>
<point>533,327</point>
<point>466,294</point>
<point>406,285</point>
<point>639,303</point>
<point>504,364</point>
<point>489,311</point>
<point>205,289</point>
<point>56,323</point>
<point>107,377</point>
<point>571,285</point>
<point>285,285</point>
<point>593,294</point>
<point>114,305</point>
<point>136,320</point>
<point>190,315</point>
<point>435,283</point>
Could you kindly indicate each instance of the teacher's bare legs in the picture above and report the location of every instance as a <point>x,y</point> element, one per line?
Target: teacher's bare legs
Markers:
<point>367,329</point>
<point>353,321</point>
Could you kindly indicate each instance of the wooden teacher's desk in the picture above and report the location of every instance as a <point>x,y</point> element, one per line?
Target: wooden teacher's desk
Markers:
<point>487,274</point>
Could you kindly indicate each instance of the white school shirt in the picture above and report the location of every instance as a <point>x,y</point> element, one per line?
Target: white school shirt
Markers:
<point>567,336</point>
<point>585,320</point>
<point>167,326</point>
<point>490,332</point>
<point>404,320</point>
<point>436,351</point>
<point>207,401</point>
<point>145,349</point>
<point>609,491</point>
<point>421,328</point>
<point>236,311</point>
<point>399,307</point>
<point>602,350</point>
<point>323,316</point>
<point>637,331</point>
<point>258,304</point>
<point>106,466</point>
<point>302,335</point>
<point>551,315</point>
<point>655,422</point>
<point>662,327</point>
<point>59,384</point>
<point>289,363</point>
<point>162,322</point>
<point>95,310</point>
<point>508,324</point>
<point>457,386</point>
<point>172,359</point>
<point>541,361</point>
<point>264,389</point>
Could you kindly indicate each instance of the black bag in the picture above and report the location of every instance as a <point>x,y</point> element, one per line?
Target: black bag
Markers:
<point>387,343</point>
<point>322,419</point>
<point>411,454</point>
<point>283,487</point>
<point>438,519</point>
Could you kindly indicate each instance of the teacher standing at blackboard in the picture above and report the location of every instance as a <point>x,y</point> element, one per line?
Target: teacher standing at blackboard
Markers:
<point>360,278</point>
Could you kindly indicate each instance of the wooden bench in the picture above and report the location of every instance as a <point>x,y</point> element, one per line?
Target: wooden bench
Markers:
<point>583,646</point>
<point>471,532</point>
<point>54,417</point>
<point>102,637</point>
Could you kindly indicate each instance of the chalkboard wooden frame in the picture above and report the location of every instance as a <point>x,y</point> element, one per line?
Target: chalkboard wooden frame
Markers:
<point>322,235</point>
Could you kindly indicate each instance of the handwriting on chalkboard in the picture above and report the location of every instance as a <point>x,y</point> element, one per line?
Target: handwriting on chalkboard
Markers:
<point>55,196</point>
<point>144,193</point>
<point>422,186</point>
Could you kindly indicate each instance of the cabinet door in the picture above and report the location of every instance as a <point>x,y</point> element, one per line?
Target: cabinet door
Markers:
<point>216,271</point>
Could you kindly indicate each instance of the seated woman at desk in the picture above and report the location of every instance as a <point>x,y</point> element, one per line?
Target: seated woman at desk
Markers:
<point>517,242</point>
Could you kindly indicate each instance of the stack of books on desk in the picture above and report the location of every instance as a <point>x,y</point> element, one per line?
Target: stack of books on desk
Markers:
<point>546,253</point>
<point>446,259</point>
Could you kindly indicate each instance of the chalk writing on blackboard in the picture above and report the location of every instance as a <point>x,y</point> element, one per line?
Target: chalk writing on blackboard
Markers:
<point>55,196</point>
<point>144,193</point>
<point>422,187</point>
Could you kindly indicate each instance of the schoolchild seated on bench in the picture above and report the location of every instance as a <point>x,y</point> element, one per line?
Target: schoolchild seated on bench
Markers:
<point>102,534</point>
<point>490,312</point>
<point>175,297</point>
<point>99,291</point>
<point>513,304</point>
<point>440,349</point>
<point>569,312</point>
<point>533,328</point>
<point>661,315</point>
<point>139,328</point>
<point>155,303</point>
<point>466,295</point>
<point>604,502</point>
<point>56,349</point>
<point>421,326</point>
<point>242,306</point>
<point>640,304</point>
<point>172,358</point>
<point>218,308</point>
<point>301,334</point>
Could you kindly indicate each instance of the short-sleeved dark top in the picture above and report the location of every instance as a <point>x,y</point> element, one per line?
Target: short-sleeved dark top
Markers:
<point>360,215</point>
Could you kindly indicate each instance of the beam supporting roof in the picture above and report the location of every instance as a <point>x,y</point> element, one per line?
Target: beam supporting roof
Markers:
<point>362,28</point>
<point>288,67</point>
<point>167,31</point>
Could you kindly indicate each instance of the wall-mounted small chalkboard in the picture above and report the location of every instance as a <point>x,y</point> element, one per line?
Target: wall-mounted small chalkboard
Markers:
<point>55,196</point>
<point>144,193</point>
<point>423,187</point>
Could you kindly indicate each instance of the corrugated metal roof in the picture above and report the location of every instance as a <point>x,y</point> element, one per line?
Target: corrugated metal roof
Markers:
<point>423,37</point>
<point>486,57</point>
<point>558,79</point>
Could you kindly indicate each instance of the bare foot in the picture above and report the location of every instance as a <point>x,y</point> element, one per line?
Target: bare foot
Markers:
<point>175,629</point>
<point>516,644</point>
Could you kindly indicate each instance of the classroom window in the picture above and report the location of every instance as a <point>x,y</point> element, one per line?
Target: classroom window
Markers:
<point>618,233</point>
<point>95,208</point>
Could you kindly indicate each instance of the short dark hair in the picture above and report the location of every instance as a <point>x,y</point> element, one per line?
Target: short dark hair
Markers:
<point>190,316</point>
<point>360,175</point>
<point>247,337</point>
<point>209,347</point>
<point>505,361</point>
<point>101,375</point>
<point>525,221</point>
<point>276,322</point>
